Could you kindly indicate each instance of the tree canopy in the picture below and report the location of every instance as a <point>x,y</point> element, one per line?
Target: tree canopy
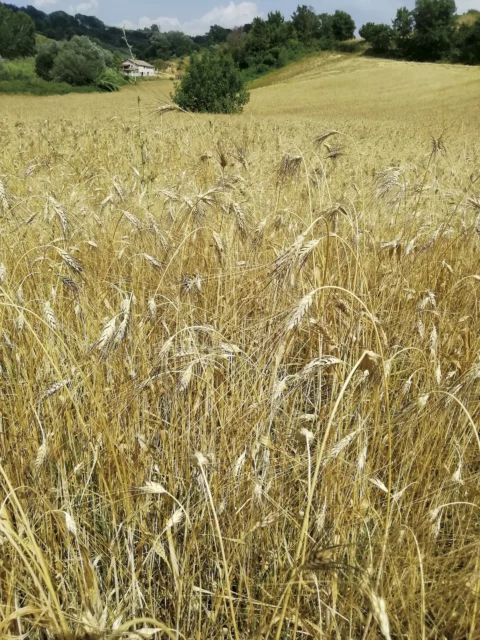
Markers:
<point>212,84</point>
<point>78,62</point>
<point>17,34</point>
<point>429,32</point>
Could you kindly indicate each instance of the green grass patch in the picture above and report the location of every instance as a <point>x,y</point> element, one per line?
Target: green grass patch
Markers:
<point>18,76</point>
<point>39,87</point>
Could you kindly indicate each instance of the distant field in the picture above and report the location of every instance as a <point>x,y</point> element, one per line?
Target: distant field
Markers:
<point>240,360</point>
<point>358,88</point>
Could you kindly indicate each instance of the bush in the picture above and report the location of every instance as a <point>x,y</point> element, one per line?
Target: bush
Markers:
<point>79,62</point>
<point>39,87</point>
<point>212,84</point>
<point>45,59</point>
<point>110,80</point>
<point>349,46</point>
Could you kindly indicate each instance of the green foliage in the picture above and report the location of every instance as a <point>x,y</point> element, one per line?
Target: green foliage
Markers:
<point>402,31</point>
<point>59,25</point>
<point>20,69</point>
<point>212,84</point>
<point>272,43</point>
<point>342,25</point>
<point>347,46</point>
<point>17,34</point>
<point>217,35</point>
<point>18,76</point>
<point>306,24</point>
<point>160,65</point>
<point>468,43</point>
<point>431,32</point>
<point>325,27</point>
<point>78,62</point>
<point>45,58</point>
<point>434,33</point>
<point>165,46</point>
<point>378,36</point>
<point>110,80</point>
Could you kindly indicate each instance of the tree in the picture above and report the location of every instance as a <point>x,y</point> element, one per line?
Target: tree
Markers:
<point>17,34</point>
<point>378,36</point>
<point>468,43</point>
<point>402,30</point>
<point>236,44</point>
<point>435,26</point>
<point>343,26</point>
<point>78,61</point>
<point>45,59</point>
<point>168,45</point>
<point>305,22</point>
<point>212,84</point>
<point>325,26</point>
<point>217,34</point>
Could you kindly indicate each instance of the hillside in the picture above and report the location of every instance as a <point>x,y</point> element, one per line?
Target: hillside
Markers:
<point>353,88</point>
<point>468,18</point>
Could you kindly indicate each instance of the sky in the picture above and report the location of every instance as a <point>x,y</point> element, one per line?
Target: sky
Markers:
<point>196,16</point>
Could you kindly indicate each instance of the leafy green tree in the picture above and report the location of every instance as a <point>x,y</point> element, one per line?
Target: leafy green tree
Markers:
<point>325,29</point>
<point>17,34</point>
<point>168,45</point>
<point>236,44</point>
<point>378,36</point>
<point>343,26</point>
<point>217,35</point>
<point>402,30</point>
<point>80,61</point>
<point>468,43</point>
<point>435,26</point>
<point>61,25</point>
<point>45,58</point>
<point>212,84</point>
<point>306,24</point>
<point>78,64</point>
<point>258,36</point>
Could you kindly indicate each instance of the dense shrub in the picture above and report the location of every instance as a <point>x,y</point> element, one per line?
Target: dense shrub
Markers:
<point>213,84</point>
<point>38,86</point>
<point>45,58</point>
<point>79,62</point>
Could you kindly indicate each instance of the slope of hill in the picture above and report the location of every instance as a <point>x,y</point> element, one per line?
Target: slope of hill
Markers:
<point>355,87</point>
<point>469,17</point>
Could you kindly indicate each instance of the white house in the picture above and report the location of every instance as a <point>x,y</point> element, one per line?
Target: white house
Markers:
<point>136,68</point>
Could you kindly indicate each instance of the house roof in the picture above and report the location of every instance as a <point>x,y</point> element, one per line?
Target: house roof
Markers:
<point>138,63</point>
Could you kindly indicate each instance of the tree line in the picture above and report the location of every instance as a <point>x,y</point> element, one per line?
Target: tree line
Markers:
<point>431,32</point>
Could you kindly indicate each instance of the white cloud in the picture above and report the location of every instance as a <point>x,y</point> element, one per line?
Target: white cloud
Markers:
<point>83,7</point>
<point>44,3</point>
<point>229,16</point>
<point>86,8</point>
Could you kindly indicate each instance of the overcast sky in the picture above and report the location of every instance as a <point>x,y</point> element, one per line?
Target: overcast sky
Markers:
<point>196,16</point>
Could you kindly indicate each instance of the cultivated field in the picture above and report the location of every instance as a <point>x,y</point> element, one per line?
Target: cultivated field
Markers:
<point>240,360</point>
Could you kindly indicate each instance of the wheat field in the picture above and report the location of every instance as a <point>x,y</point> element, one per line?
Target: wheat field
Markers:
<point>240,360</point>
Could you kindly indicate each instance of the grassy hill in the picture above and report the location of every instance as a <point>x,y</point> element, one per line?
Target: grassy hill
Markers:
<point>349,87</point>
<point>469,17</point>
<point>240,360</point>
